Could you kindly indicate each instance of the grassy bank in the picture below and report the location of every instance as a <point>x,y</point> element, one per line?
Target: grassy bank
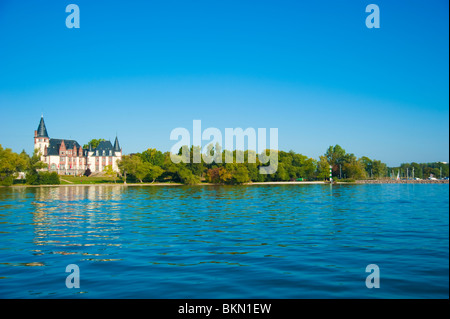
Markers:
<point>69,179</point>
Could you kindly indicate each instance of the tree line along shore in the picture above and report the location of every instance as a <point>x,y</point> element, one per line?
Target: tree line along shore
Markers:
<point>156,168</point>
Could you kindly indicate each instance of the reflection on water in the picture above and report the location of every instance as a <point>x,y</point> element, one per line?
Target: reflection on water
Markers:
<point>71,218</point>
<point>284,241</point>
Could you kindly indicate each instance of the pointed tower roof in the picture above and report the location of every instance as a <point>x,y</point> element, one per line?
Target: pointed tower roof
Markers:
<point>42,130</point>
<point>116,145</point>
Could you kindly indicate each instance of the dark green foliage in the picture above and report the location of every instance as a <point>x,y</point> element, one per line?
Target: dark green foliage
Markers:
<point>347,180</point>
<point>420,170</point>
<point>32,178</point>
<point>47,178</point>
<point>94,143</point>
<point>10,164</point>
<point>7,181</point>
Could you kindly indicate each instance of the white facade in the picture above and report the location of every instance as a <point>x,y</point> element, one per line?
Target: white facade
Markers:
<point>40,143</point>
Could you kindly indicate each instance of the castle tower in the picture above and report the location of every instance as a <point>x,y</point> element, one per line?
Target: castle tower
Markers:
<point>117,154</point>
<point>117,148</point>
<point>41,139</point>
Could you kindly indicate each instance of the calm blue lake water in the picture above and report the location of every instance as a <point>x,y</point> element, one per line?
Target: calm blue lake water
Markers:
<point>284,241</point>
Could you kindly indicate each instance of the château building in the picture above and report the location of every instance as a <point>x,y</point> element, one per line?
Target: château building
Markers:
<point>67,157</point>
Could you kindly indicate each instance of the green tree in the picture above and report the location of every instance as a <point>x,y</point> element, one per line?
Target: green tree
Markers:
<point>417,170</point>
<point>10,164</point>
<point>125,166</point>
<point>141,169</point>
<point>302,166</point>
<point>154,172</point>
<point>379,169</point>
<point>239,173</point>
<point>133,165</point>
<point>187,177</point>
<point>253,172</point>
<point>152,156</point>
<point>323,168</point>
<point>281,174</point>
<point>94,143</point>
<point>171,169</point>
<point>354,169</point>
<point>368,165</point>
<point>336,156</point>
<point>108,170</point>
<point>436,172</point>
<point>197,169</point>
<point>47,178</point>
<point>33,165</point>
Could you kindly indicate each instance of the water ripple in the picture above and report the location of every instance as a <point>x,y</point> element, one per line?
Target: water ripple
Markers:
<point>284,241</point>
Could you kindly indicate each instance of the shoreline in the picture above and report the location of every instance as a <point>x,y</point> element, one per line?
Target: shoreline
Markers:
<point>360,182</point>
<point>389,181</point>
<point>166,184</point>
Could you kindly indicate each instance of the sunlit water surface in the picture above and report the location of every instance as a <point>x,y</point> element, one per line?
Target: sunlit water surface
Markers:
<point>284,241</point>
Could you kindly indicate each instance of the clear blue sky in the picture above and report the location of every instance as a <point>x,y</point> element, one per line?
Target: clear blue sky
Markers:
<point>310,68</point>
